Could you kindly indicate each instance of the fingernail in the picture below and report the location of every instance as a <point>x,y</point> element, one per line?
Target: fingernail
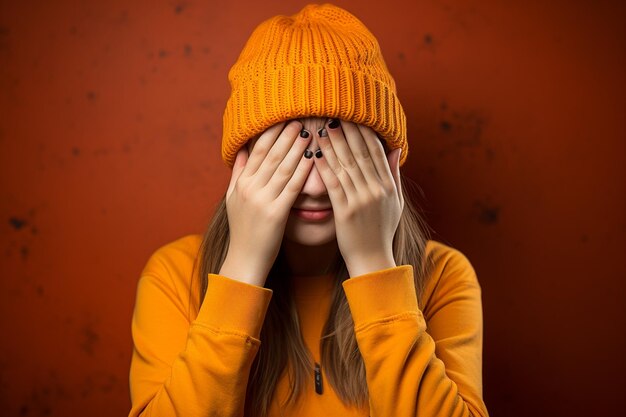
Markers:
<point>304,133</point>
<point>318,153</point>
<point>333,123</point>
<point>308,154</point>
<point>322,133</point>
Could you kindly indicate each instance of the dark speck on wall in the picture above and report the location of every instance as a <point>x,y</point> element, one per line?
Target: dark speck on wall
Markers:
<point>42,396</point>
<point>428,39</point>
<point>163,53</point>
<point>91,95</point>
<point>99,381</point>
<point>24,251</point>
<point>187,49</point>
<point>89,339</point>
<point>487,214</point>
<point>464,129</point>
<point>17,223</point>
<point>179,8</point>
<point>108,383</point>
<point>75,151</point>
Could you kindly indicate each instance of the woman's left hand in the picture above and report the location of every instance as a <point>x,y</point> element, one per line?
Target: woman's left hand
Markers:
<point>365,192</point>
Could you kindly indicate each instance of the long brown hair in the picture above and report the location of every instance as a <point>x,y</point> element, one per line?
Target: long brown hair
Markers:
<point>282,345</point>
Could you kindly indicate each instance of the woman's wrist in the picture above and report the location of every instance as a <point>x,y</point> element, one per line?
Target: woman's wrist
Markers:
<point>370,264</point>
<point>241,269</point>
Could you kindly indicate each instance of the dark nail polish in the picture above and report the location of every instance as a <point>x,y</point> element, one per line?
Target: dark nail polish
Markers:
<point>318,153</point>
<point>308,154</point>
<point>322,133</point>
<point>333,124</point>
<point>304,133</point>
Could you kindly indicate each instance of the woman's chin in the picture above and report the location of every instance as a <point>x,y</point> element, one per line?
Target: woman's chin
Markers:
<point>310,234</point>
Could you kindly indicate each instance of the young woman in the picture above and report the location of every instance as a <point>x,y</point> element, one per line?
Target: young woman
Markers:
<point>316,290</point>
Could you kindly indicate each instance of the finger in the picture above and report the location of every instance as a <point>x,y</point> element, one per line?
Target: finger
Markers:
<point>400,192</point>
<point>328,153</point>
<point>377,152</point>
<point>357,136</point>
<point>337,135</point>
<point>262,147</point>
<point>335,188</point>
<point>240,162</point>
<point>290,136</point>
<point>289,164</point>
<point>289,193</point>
<point>394,162</point>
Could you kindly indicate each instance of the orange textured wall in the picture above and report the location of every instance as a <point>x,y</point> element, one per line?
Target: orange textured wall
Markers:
<point>110,127</point>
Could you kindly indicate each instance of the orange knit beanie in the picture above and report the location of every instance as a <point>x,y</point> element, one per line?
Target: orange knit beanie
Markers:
<point>321,62</point>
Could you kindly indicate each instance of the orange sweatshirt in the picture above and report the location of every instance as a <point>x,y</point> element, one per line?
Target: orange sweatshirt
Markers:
<point>420,360</point>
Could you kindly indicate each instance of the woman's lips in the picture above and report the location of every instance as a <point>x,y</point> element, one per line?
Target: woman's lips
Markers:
<point>312,215</point>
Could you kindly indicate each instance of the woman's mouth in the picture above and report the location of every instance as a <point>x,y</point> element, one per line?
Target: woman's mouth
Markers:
<point>312,215</point>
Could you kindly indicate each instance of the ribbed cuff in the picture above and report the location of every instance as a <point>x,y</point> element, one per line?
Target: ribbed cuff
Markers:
<point>235,306</point>
<point>381,294</point>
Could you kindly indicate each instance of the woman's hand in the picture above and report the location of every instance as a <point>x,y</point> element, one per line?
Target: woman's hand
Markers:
<point>263,188</point>
<point>365,192</point>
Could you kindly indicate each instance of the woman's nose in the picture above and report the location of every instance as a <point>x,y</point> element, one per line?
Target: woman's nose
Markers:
<point>314,185</point>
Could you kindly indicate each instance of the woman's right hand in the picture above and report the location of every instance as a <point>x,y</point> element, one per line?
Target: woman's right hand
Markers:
<point>263,188</point>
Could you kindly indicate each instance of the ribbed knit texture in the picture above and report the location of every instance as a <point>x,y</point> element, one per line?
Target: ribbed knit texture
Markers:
<point>322,62</point>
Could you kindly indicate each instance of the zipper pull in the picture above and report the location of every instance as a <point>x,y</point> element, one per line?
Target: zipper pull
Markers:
<point>318,379</point>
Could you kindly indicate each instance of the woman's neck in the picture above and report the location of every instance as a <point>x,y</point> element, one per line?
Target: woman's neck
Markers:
<point>305,261</point>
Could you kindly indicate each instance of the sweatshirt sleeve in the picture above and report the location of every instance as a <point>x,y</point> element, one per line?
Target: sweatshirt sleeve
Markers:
<point>197,368</point>
<point>409,371</point>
